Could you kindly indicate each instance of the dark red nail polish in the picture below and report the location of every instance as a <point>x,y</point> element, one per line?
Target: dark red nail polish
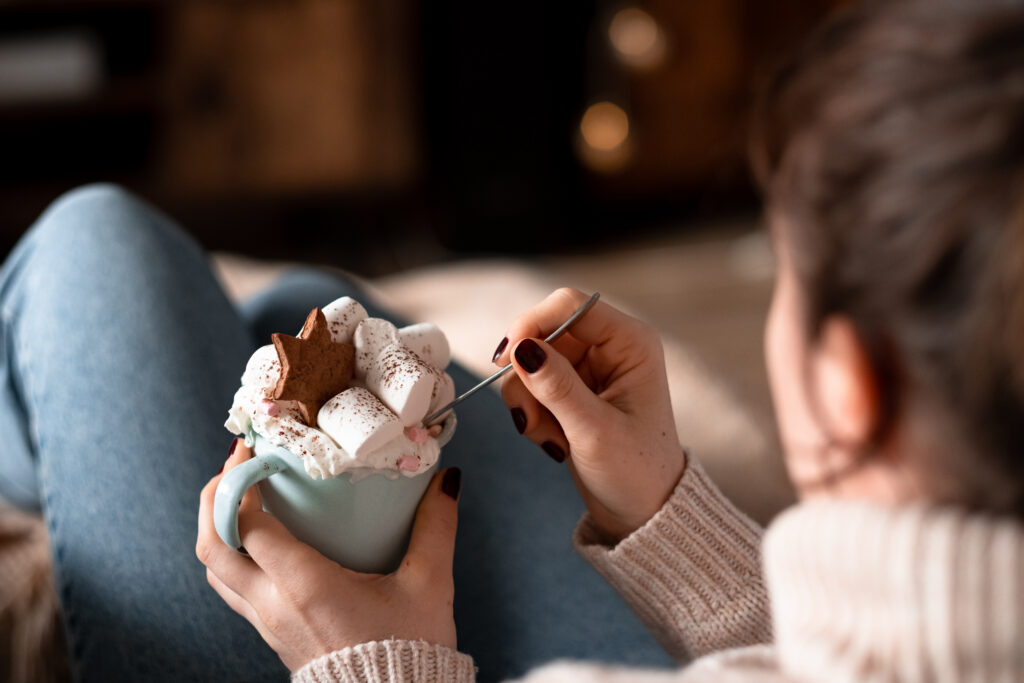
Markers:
<point>530,355</point>
<point>452,482</point>
<point>234,445</point>
<point>554,450</point>
<point>501,347</point>
<point>519,419</point>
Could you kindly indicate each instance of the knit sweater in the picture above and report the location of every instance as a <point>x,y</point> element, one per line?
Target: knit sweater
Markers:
<point>859,592</point>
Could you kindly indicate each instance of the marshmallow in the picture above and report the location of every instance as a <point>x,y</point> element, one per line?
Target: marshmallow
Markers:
<point>416,434</point>
<point>263,370</point>
<point>343,315</point>
<point>443,394</point>
<point>428,342</point>
<point>358,422</point>
<point>359,432</point>
<point>403,382</point>
<point>370,338</point>
<point>409,463</point>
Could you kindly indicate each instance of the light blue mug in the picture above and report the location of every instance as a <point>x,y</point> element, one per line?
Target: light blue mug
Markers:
<point>362,525</point>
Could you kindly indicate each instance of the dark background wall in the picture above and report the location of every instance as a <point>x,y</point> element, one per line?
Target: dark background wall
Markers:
<point>377,135</point>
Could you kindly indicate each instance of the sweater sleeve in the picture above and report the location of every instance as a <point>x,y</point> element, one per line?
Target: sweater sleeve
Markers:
<point>692,573</point>
<point>390,661</point>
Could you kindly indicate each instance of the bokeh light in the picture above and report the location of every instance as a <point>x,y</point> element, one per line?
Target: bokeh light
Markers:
<point>603,142</point>
<point>638,40</point>
<point>604,126</point>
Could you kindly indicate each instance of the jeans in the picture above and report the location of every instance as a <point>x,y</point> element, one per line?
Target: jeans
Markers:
<point>118,360</point>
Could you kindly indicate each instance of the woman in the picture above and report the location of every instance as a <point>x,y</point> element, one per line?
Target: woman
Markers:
<point>892,157</point>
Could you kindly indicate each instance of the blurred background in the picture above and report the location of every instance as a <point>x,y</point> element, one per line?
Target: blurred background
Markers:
<point>601,142</point>
<point>464,157</point>
<point>598,143</point>
<point>379,135</point>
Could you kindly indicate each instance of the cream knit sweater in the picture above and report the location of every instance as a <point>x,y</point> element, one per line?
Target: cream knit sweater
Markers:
<point>859,592</point>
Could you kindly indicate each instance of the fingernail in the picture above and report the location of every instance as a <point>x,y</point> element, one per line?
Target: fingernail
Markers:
<point>530,355</point>
<point>234,445</point>
<point>452,482</point>
<point>501,347</point>
<point>519,419</point>
<point>554,450</point>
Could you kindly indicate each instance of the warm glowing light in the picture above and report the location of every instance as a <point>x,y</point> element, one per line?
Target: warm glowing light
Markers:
<point>604,126</point>
<point>637,38</point>
<point>603,143</point>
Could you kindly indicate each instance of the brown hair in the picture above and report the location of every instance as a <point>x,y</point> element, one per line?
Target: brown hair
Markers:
<point>893,146</point>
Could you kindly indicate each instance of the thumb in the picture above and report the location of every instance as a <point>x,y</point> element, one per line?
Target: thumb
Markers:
<point>432,544</point>
<point>552,380</point>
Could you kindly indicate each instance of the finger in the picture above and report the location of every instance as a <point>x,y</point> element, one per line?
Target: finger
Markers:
<point>235,601</point>
<point>232,568</point>
<point>432,544</point>
<point>244,608</point>
<point>554,382</point>
<point>250,502</point>
<point>518,398</point>
<point>237,453</point>
<point>259,531</point>
<point>550,437</point>
<point>273,548</point>
<point>533,420</point>
<point>272,553</point>
<point>570,347</point>
<point>602,324</point>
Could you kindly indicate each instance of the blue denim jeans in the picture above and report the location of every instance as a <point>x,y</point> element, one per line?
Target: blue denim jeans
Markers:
<point>118,360</point>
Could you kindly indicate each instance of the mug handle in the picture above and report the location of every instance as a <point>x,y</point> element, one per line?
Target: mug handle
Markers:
<point>233,486</point>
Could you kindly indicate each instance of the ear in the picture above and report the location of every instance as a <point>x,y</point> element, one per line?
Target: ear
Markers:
<point>845,383</point>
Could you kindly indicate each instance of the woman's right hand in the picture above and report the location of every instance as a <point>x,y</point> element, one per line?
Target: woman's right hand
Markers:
<point>599,398</point>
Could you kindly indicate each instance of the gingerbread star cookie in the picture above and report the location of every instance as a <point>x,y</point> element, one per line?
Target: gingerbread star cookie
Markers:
<point>314,367</point>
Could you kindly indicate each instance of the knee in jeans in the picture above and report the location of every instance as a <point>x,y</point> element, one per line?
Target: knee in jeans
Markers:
<point>90,198</point>
<point>97,214</point>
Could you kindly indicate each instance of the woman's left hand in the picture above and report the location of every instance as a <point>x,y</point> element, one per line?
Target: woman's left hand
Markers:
<point>305,605</point>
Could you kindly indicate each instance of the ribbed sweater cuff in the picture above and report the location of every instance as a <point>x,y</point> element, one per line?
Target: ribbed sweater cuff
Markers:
<point>692,573</point>
<point>389,661</point>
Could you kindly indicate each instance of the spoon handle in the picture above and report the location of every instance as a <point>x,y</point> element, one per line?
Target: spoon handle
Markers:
<point>562,329</point>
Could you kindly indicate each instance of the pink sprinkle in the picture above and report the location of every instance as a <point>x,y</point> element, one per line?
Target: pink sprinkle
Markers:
<point>416,434</point>
<point>270,408</point>
<point>409,463</point>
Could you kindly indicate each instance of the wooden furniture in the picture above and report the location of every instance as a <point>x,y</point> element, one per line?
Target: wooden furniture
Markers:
<point>237,116</point>
<point>435,126</point>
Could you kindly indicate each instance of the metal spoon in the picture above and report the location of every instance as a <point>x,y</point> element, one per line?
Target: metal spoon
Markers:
<point>562,329</point>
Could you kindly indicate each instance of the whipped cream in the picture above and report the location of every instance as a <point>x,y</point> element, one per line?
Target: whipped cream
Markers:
<point>372,427</point>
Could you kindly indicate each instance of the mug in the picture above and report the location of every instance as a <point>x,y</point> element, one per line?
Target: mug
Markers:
<point>363,525</point>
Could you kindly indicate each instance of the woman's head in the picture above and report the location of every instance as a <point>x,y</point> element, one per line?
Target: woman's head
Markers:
<point>891,153</point>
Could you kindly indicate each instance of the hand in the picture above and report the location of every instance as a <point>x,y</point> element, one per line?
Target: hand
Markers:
<point>305,606</point>
<point>600,397</point>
